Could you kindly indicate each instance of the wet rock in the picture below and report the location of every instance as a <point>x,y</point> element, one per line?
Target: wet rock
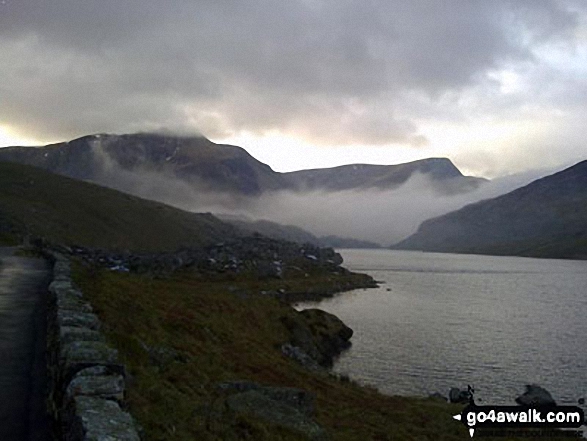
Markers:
<point>535,396</point>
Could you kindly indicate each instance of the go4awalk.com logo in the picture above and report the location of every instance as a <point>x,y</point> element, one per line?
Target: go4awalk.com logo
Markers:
<point>509,417</point>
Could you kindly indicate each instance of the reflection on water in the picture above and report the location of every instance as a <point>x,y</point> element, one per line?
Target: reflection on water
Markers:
<point>445,320</point>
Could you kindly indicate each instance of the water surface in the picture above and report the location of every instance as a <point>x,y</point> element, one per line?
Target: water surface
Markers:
<point>446,320</point>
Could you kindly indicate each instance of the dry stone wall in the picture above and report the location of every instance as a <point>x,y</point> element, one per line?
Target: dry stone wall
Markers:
<point>87,381</point>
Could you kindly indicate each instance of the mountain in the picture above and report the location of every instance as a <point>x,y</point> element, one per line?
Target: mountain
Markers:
<point>202,164</point>
<point>67,211</point>
<point>546,218</point>
<point>193,160</point>
<point>292,233</point>
<point>441,171</point>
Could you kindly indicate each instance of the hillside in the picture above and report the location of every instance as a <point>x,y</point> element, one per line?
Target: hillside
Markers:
<point>546,218</point>
<point>292,233</point>
<point>67,211</point>
<point>194,160</point>
<point>202,164</point>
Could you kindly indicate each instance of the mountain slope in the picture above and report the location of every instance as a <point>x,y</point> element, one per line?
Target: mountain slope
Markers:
<point>68,211</point>
<point>441,171</point>
<point>195,160</point>
<point>546,218</point>
<point>293,233</point>
<point>202,164</point>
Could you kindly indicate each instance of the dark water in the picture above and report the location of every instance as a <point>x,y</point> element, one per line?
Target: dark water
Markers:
<point>496,323</point>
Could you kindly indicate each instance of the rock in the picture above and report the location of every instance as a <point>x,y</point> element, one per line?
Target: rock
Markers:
<point>535,396</point>
<point>96,419</point>
<point>68,334</point>
<point>110,387</point>
<point>70,302</point>
<point>237,386</point>
<point>79,355</point>
<point>58,285</point>
<point>331,334</point>
<point>300,356</point>
<point>78,319</point>
<point>318,334</point>
<point>275,412</point>
<point>455,395</point>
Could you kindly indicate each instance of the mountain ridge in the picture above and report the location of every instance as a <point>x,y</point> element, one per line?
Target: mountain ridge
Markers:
<point>546,218</point>
<point>221,167</point>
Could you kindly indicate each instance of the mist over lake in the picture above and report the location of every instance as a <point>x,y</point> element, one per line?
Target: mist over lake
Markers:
<point>448,320</point>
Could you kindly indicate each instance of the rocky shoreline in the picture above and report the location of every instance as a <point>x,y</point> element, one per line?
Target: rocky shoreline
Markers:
<point>256,256</point>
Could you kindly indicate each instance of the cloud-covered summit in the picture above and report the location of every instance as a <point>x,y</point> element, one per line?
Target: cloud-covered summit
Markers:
<point>330,72</point>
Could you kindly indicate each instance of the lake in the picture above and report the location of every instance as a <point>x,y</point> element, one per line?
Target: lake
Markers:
<point>447,320</point>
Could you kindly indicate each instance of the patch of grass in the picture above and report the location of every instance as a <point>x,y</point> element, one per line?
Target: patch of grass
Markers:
<point>71,212</point>
<point>224,330</point>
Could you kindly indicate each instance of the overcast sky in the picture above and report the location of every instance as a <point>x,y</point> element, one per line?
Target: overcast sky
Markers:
<point>498,86</point>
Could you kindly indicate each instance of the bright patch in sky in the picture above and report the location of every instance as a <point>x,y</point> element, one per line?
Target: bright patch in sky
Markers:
<point>7,138</point>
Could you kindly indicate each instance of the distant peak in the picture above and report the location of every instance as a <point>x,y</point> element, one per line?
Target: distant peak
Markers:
<point>439,167</point>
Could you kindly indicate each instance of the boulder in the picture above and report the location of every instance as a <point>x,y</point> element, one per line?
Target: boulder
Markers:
<point>455,395</point>
<point>276,410</point>
<point>535,396</point>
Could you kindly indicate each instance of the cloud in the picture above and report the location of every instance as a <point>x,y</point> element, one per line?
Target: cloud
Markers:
<point>334,72</point>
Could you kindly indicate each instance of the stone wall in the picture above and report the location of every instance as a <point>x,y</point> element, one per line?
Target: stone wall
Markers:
<point>86,380</point>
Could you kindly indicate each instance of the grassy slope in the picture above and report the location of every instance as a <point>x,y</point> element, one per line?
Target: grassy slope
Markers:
<point>227,332</point>
<point>226,336</point>
<point>68,211</point>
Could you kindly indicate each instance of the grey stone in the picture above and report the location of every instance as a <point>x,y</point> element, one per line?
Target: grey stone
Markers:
<point>300,356</point>
<point>259,405</point>
<point>68,302</point>
<point>89,351</point>
<point>68,292</point>
<point>110,387</point>
<point>79,355</point>
<point>93,371</point>
<point>95,419</point>
<point>68,334</point>
<point>57,285</point>
<point>535,396</point>
<point>78,319</point>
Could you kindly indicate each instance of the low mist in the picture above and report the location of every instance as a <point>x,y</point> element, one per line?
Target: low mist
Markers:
<point>381,216</point>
